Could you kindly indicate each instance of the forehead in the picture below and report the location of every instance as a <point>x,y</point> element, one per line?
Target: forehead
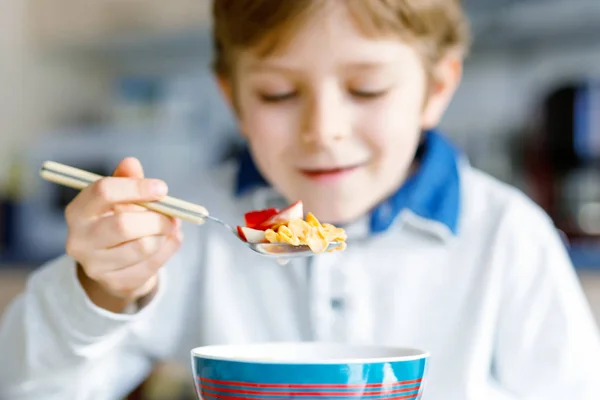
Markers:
<point>330,34</point>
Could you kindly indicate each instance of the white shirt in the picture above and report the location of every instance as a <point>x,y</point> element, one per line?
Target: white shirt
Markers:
<point>456,263</point>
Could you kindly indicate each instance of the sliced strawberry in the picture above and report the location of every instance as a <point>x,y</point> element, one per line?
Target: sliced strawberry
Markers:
<point>241,233</point>
<point>295,211</point>
<point>251,235</point>
<point>255,218</point>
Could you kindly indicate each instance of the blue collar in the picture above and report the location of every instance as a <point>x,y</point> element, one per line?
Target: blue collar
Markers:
<point>432,193</point>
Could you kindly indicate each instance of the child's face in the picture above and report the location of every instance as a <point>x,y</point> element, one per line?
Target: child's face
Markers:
<point>335,118</point>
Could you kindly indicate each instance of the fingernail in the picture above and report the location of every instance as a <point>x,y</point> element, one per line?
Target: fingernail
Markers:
<point>159,188</point>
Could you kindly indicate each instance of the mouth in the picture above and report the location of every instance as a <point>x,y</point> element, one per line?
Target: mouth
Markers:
<point>329,174</point>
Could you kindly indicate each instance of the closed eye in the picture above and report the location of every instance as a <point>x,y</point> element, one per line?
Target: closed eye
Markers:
<point>276,98</point>
<point>364,94</point>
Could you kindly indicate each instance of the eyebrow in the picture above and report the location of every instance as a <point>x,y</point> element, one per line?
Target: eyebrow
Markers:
<point>367,66</point>
<point>360,66</point>
<point>266,67</point>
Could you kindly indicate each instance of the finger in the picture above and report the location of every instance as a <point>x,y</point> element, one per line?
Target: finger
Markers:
<point>119,208</point>
<point>120,228</point>
<point>129,280</point>
<point>128,254</point>
<point>105,193</point>
<point>129,168</point>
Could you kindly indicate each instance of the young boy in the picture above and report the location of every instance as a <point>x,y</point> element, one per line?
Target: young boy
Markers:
<point>338,101</point>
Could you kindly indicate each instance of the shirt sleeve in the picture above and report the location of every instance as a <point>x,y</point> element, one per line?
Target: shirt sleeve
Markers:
<point>56,344</point>
<point>547,344</point>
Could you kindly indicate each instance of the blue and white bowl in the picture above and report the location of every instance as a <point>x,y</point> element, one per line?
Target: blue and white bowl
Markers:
<point>308,371</point>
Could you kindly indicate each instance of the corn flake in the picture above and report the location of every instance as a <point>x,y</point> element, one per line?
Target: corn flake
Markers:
<point>309,232</point>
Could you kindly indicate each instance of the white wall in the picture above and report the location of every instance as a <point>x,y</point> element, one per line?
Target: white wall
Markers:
<point>36,92</point>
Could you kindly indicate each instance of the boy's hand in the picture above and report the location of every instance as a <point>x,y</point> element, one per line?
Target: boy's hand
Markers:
<point>120,246</point>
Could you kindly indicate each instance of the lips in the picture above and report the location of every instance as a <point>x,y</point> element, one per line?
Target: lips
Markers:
<point>328,174</point>
<point>316,172</point>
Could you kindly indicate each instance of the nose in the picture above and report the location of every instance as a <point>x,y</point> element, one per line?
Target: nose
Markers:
<point>326,119</point>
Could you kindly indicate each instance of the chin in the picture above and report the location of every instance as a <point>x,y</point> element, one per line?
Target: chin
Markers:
<point>333,212</point>
<point>337,204</point>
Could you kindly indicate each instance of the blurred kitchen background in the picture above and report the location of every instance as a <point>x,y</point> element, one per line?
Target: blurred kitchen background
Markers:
<point>89,82</point>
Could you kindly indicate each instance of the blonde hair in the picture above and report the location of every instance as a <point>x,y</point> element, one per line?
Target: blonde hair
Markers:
<point>435,27</point>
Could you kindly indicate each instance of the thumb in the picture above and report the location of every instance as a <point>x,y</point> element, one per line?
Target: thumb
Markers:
<point>129,167</point>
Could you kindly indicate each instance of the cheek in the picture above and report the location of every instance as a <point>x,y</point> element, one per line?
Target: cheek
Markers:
<point>263,124</point>
<point>270,136</point>
<point>392,126</point>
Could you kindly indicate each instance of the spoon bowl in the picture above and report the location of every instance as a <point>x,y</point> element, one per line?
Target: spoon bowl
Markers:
<point>287,251</point>
<point>283,251</point>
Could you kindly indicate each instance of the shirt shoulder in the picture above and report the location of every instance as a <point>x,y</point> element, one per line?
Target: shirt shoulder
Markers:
<point>508,220</point>
<point>514,235</point>
<point>491,205</point>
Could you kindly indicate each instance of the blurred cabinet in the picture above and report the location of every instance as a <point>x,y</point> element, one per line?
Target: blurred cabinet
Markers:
<point>64,23</point>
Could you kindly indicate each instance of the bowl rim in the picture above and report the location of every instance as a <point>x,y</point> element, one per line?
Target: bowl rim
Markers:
<point>203,352</point>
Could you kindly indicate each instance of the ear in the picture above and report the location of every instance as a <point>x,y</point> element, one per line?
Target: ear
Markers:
<point>446,78</point>
<point>226,87</point>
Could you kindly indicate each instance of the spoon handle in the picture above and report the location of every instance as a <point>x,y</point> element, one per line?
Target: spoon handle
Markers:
<point>79,179</point>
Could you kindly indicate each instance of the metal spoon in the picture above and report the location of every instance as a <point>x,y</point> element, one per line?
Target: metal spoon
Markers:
<point>79,179</point>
